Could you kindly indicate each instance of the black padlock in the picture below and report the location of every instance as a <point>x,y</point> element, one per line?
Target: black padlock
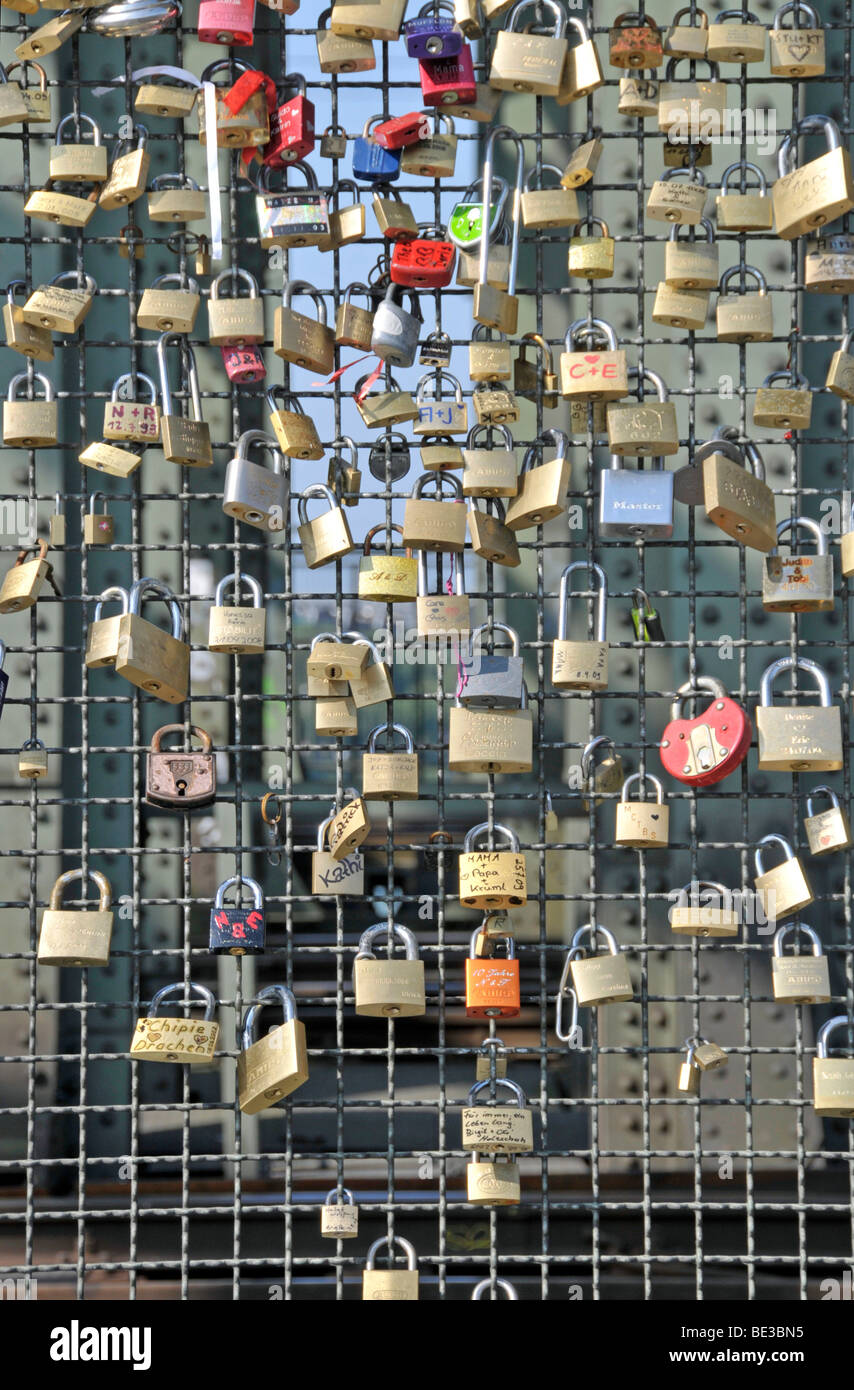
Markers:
<point>435,351</point>
<point>440,839</point>
<point>237,931</point>
<point>647,622</point>
<point>390,453</point>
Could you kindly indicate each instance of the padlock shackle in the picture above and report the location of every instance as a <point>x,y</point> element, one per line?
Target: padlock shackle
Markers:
<point>195,731</point>
<point>75,118</point>
<point>236,581</point>
<point>238,881</point>
<point>787,150</point>
<point>315,490</point>
<point>12,392</point>
<point>790,663</point>
<point>503,1284</point>
<point>670,68</point>
<point>822,1041</point>
<point>746,17</point>
<point>457,567</point>
<point>375,531</point>
<point>693,686</point>
<point>704,223</point>
<point>343,1197</point>
<point>235,272</point>
<point>601,599</point>
<point>101,882</point>
<point>587,752</point>
<point>811,795</point>
<point>577,943</point>
<point>393,932</point>
<point>801,523</point>
<point>201,992</point>
<point>505,1083</point>
<point>774,839</point>
<point>436,377</point>
<point>796,7</point>
<point>530,187</point>
<point>782,932</point>
<point>692,174</point>
<point>744,164</point>
<point>189,358</point>
<point>267,995</point>
<point>220,64</point>
<point>89,285</point>
<point>508,939</point>
<point>473,835</point>
<point>390,1242</point>
<point>273,391</point>
<point>480,632</point>
<point>156,586</point>
<point>590,328</point>
<point>743,270</point>
<point>438,477</point>
<point>642,778</point>
<point>401,729</point>
<point>505,133</point>
<point>133,378</point>
<point>649,375</point>
<point>302,287</point>
<point>106,596</point>
<point>557,438</point>
<point>476,430</point>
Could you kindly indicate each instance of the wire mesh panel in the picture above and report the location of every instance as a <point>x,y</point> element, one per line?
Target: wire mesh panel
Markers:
<point>126,1180</point>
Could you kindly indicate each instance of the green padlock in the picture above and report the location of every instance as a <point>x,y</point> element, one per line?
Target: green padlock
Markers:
<point>465,225</point>
<point>647,623</point>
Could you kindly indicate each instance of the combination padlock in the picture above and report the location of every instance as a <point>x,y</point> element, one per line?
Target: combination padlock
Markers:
<point>704,750</point>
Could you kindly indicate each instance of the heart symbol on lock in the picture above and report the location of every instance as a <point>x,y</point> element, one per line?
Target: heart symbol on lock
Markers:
<point>199,1039</point>
<point>653,815</point>
<point>591,357</point>
<point>154,1036</point>
<point>825,839</point>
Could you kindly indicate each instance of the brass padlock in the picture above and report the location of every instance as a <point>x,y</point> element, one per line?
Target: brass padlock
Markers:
<point>492,878</point>
<point>169,310</point>
<point>23,583</point>
<point>236,629</point>
<point>374,684</point>
<point>65,209</point>
<point>296,432</point>
<point>435,415</point>
<point>704,914</point>
<point>340,52</point>
<point>598,979</point>
<point>798,583</point>
<point>542,486</point>
<point>495,1183</point>
<point>172,97</point>
<point>736,497</point>
<point>494,404</point>
<point>497,1128</point>
<point>381,409</point>
<point>499,308</point>
<point>490,1065</point>
<point>680,308</point>
<point>739,42</point>
<point>489,360</point>
<point>354,326</point>
<point>638,96</point>
<point>334,659</point>
<point>688,1081</point>
<point>61,310</point>
<point>691,266</point>
<point>485,106</point>
<point>299,339</point>
<point>605,777</point>
<point>707,1055</point>
<point>583,162</point>
<point>648,429</point>
<point>102,634</point>
<point>327,537</point>
<point>591,257</point>
<point>292,217</point>
<point>248,125</point>
<point>491,538</point>
<point>819,191</point>
<point>581,665</point>
<point>387,578</point>
<point>489,472</point>
<point>832,1078</point>
<point>395,218</point>
<point>390,1285</point>
<point>435,155</point>
<point>277,1064</point>
<point>32,759</point>
<point>548,207</point>
<point>128,174</point>
<point>827,831</point>
<point>129,418</point>
<point>634,41</point>
<point>536,380</point>
<point>234,322</point>
<point>829,264</point>
<point>840,380</point>
<point>22,337</point>
<point>799,979</point>
<point>345,479</point>
<point>687,40</point>
<point>525,62</point>
<point>670,201</point>
<point>177,198</point>
<point>155,661</point>
<point>335,876</point>
<point>339,1215</point>
<point>797,52</point>
<point>99,528</point>
<point>641,824</point>
<point>347,224</point>
<point>436,524</point>
<point>593,375</point>
<point>30,424</point>
<point>497,263</point>
<point>386,987</point>
<point>36,99</point>
<point>390,775</point>
<point>132,244</point>
<point>179,781</point>
<point>744,211</point>
<point>679,155</point>
<point>783,889</point>
<point>13,106</point>
<point>76,937</point>
<point>336,717</point>
<point>363,20</point>
<point>50,36</point>
<point>582,69</point>
<point>691,114</point>
<point>798,738</point>
<point>185,440</point>
<point>349,827</point>
<point>783,407</point>
<point>491,740</point>
<point>747,317</point>
<point>78,163</point>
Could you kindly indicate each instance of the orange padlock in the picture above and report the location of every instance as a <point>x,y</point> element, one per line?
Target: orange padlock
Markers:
<point>492,982</point>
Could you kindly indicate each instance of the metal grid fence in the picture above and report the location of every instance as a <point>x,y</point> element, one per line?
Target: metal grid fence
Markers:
<point>118,1183</point>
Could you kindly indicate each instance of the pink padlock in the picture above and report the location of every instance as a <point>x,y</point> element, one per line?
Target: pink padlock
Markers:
<point>445,81</point>
<point>227,21</point>
<point>243,365</point>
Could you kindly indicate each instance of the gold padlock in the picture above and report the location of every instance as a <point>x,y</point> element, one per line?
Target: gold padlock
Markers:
<point>490,1064</point>
<point>497,1128</point>
<point>327,537</point>
<point>334,659</point>
<point>169,310</point>
<point>390,1285</point>
<point>102,634</point>
<point>76,937</point>
<point>670,201</point>
<point>78,163</point>
<point>598,979</point>
<point>336,718</point>
<point>581,665</point>
<point>593,375</point>
<point>642,824</point>
<point>58,309</point>
<point>272,1067</point>
<point>166,98</point>
<point>129,418</point>
<point>32,759</point>
<point>499,308</point>
<point>155,661</point>
<point>605,777</point>
<point>485,106</point>
<point>65,209</point>
<point>736,497</point>
<point>688,1081</point>
<point>23,583</point>
<point>537,380</point>
<point>489,472</point>
<point>489,360</point>
<point>798,583</point>
<point>434,156</point>
<point>185,440</point>
<point>494,404</point>
<point>583,162</point>
<point>22,337</point>
<point>746,211</point>
<point>840,380</point>
<point>827,831</point>
<point>340,52</point>
<point>687,40</point>
<point>387,578</point>
<point>491,878</point>
<point>704,914</point>
<point>829,264</point>
<point>832,1078</point>
<point>36,99</point>
<point>374,684</point>
<point>543,486</point>
<point>436,524</point>
<point>249,125</point>
<point>98,528</point>
<point>56,522</point>
<point>491,740</point>
<point>491,538</point>
<point>234,322</point>
<point>783,407</point>
<point>236,629</point>
<point>30,424</point>
<point>128,172</point>
<point>591,257</point>
<point>299,339</point>
<point>747,317</point>
<point>361,19</point>
<point>349,827</point>
<point>442,614</point>
<point>495,1183</point>
<point>582,69</point>
<point>798,738</point>
<point>390,775</point>
<point>13,106</point>
<point>395,218</point>
<point>177,198</point>
<point>160,1038</point>
<point>544,208</point>
<point>783,889</point>
<point>296,432</point>
<point>797,52</point>
<point>386,987</point>
<point>818,192</point>
<point>380,409</point>
<point>680,308</point>
<point>740,42</point>
<point>50,36</point>
<point>646,429</point>
<point>354,326</point>
<point>799,979</point>
<point>525,62</point>
<point>691,266</point>
<point>437,415</point>
<point>335,876</point>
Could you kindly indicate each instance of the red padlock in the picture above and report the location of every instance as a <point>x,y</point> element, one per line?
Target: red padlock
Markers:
<point>704,750</point>
<point>427,263</point>
<point>227,21</point>
<point>291,126</point>
<point>243,365</point>
<point>448,80</point>
<point>400,131</point>
<point>492,982</point>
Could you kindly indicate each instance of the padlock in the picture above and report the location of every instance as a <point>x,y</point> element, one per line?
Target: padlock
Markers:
<point>448,81</point>
<point>76,936</point>
<point>783,889</point>
<point>489,360</point>
<point>542,487</point>
<point>548,207</point>
<point>50,36</point>
<point>390,775</point>
<point>32,759</point>
<point>433,155</point>
<point>233,930</point>
<point>640,824</point>
<point>445,613</point>
<point>739,42</point>
<point>345,479</point>
<point>379,410</point>
<point>497,269</point>
<point>227,22</point>
<point>465,224</point>
<point>582,70</point>
<point>26,338</point>
<point>799,738</point>
<point>36,99</point>
<point>483,106</point>
<point>23,583</point>
<point>156,661</point>
<point>744,211</point>
<point>490,682</point>
<point>423,262</point>
<point>360,18</point>
<point>399,132</point>
<point>234,322</point>
<point>695,913</point>
<point>681,155</point>
<point>492,879</point>
<point>248,124</point>
<point>829,264</point>
<point>128,174</point>
<point>495,1183</point>
<point>373,685</point>
<point>495,1127</point>
<point>691,114</point>
<point>353,326</point>
<point>436,524</point>
<point>680,308</point>
<point>591,257</point>
<point>236,629</point>
<point>98,528</point>
<point>799,979</point>
<point>439,841</point>
<point>499,308</point>
<point>56,522</point>
<point>581,665</point>
<point>275,1065</point>
<point>797,52</point>
<point>390,1285</point>
<point>819,191</point>
<point>494,404</point>
<point>372,162</point>
<point>638,96</point>
<point>395,331</point>
<point>634,41</point>
<point>832,1078</point>
<point>159,1038</point>
<point>606,777</point>
<point>336,716</point>
<point>467,17</point>
<point>687,40</point>
<point>331,660</point>
<point>129,418</point>
<point>670,201</point>
<point>827,831</point>
<point>492,982</point>
<point>78,163</point>
<point>342,53</point>
<point>431,34</point>
<point>243,364</point>
<point>291,124</point>
<point>333,142</point>
<point>13,106</point>
<point>524,62</point>
<point>598,979</point>
<point>327,537</point>
<point>644,429</point>
<point>132,243</point>
<point>169,96</point>
<point>385,987</point>
<point>61,310</point>
<point>593,375</point>
<point>291,217</point>
<point>490,536</point>
<point>253,494</point>
<point>169,310</point>
<point>688,1081</point>
<point>349,827</point>
<point>64,209</point>
<point>489,472</point>
<point>491,740</point>
<point>175,780</point>
<point>583,162</point>
<point>185,440</point>
<point>738,501</point>
<point>299,339</point>
<point>102,634</point>
<point>840,380</point>
<point>387,578</point>
<point>691,266</point>
<point>33,423</point>
<point>176,198</point>
<point>636,503</point>
<point>783,407</point>
<point>440,451</point>
<point>798,583</point>
<point>537,380</point>
<point>339,1215</point>
<point>645,620</point>
<point>296,432</point>
<point>746,317</point>
<point>395,218</point>
<point>704,750</point>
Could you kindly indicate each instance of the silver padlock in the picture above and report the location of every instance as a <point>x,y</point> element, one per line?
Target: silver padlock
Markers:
<point>492,682</point>
<point>254,494</point>
<point>395,333</point>
<point>636,502</point>
<point>798,583</point>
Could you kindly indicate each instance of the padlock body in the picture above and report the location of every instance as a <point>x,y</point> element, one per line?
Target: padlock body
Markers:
<point>30,424</point>
<point>102,640</point>
<point>25,338</point>
<point>744,318</point>
<point>688,1082</point>
<point>448,81</point>
<point>62,208</point>
<point>108,458</point>
<point>642,825</point>
<point>492,540</point>
<point>336,718</point>
<point>291,132</point>
<point>389,1285</point>
<point>833,1086</point>
<point>738,503</point>
<point>388,578</point>
<point>783,890</point>
<point>152,659</point>
<point>647,428</point>
<point>527,63</point>
<point>226,21</point>
<point>126,181</point>
<point>237,629</point>
<point>704,750</point>
<point>743,212</point>
<point>169,1039</point>
<point>442,615</point>
<point>828,831</point>
<point>98,529</point>
<point>177,205</point>
<point>367,21</point>
<point>296,434</point>
<point>22,585</point>
<point>601,980</point>
<point>579,665</point>
<point>339,1220</point>
<point>492,987</point>
<point>299,218</point>
<point>236,931</point>
<point>591,257</point>
<point>235,322</point>
<point>337,53</point>
<point>75,938</point>
<point>489,473</point>
<point>186,442</point>
<point>674,201</point>
<point>782,409</point>
<point>131,420</point>
<point>248,126</point>
<point>494,740</point>
<point>389,988</point>
<point>797,583</point>
<point>594,376</point>
<point>800,979</point>
<point>243,364</point>
<point>303,341</point>
<point>349,829</point>
<point>680,308</point>
<point>797,52</point>
<point>168,310</point>
<point>390,776</point>
<point>177,781</point>
<point>255,495</point>
<point>373,687</point>
<point>493,879</point>
<point>704,921</point>
<point>272,1067</point>
<point>817,193</point>
<point>799,738</point>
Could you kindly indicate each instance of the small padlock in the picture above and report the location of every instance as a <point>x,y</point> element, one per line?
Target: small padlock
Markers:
<point>176,198</point>
<point>495,1183</point>
<point>236,629</point>
<point>353,326</point>
<point>581,665</point>
<point>691,114</point>
<point>489,360</point>
<point>537,380</point>
<point>525,62</point>
<point>740,42</point>
<point>582,69</point>
<point>492,682</point>
<point>799,738</point>
<point>390,1285</point>
<point>827,831</point>
<point>387,578</point>
<point>435,350</point>
<point>434,154</point>
<point>818,192</point>
<point>799,979</point>
<point>799,51</point>
<point>327,537</point>
<point>736,499</point>
<point>688,1081</point>
<point>436,524</point>
<point>185,440</point>
<point>439,841</point>
<point>171,96</point>
<point>680,308</point>
<point>339,1215</point>
<point>235,322</point>
<point>687,40</point>
<point>102,634</point>
<point>706,749</point>
<point>238,123</point>
<point>333,142</point>
<point>691,266</point>
<point>379,410</point>
<point>798,583</point>
<point>296,432</point>
<point>385,987</point>
<point>160,1038</point>
<point>645,429</point>
<point>30,424</point>
<point>494,404</point>
<point>98,528</point>
<point>634,41</point>
<point>175,780</point>
<point>744,211</point>
<point>492,982</point>
<point>695,913</point>
<point>338,52</point>
<point>61,310</point>
<point>32,759</point>
<point>390,775</point>
<point>78,163</point>
<point>605,777</point>
<point>277,1064</point>
<point>335,875</point>
<point>783,407</point>
<point>226,22</point>
<point>25,338</point>
<point>36,99</point>
<point>13,106</point>
<point>332,659</point>
<point>829,264</point>
<point>591,257</point>
<point>598,979</point>
<point>593,375</point>
<point>156,661</point>
<point>583,162</point>
<point>373,685</point>
<point>638,96</point>
<point>446,613</point>
<point>349,827</point>
<point>76,937</point>
<point>440,451</point>
<point>233,930</point>
<point>492,879</point>
<point>641,825</point>
<point>56,522</point>
<point>783,889</point>
<point>489,472</point>
<point>746,317</point>
<point>64,209</point>
<point>253,494</point>
<point>645,620</point>
<point>832,1078</point>
<point>23,583</point>
<point>544,208</point>
<point>128,174</point>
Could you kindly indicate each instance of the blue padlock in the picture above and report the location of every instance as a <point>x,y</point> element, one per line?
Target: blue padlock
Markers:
<point>431,35</point>
<point>371,163</point>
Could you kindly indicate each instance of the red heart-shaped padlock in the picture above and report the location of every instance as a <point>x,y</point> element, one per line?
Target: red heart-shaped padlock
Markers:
<point>706,749</point>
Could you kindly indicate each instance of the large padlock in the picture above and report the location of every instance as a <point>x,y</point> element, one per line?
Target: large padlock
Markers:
<point>581,665</point>
<point>525,62</point>
<point>708,914</point>
<point>395,331</point>
<point>364,19</point>
<point>798,738</point>
<point>236,931</point>
<point>636,503</point>
<point>102,634</point>
<point>827,831</point>
<point>390,1285</point>
<point>128,174</point>
<point>326,537</point>
<point>237,125</point>
<point>161,1038</point>
<point>495,306</point>
<point>593,375</point>
<point>832,1078</point>
<point>33,423</point>
<point>253,494</point>
<point>296,432</point>
<point>489,472</point>
<point>340,52</point>
<point>99,528</point>
<point>297,338</point>
<point>744,211</point>
<point>543,208</point>
<point>799,979</point>
<point>234,322</point>
<point>784,889</point>
<point>645,429</point>
<point>691,114</point>
<point>783,407</point>
<point>387,578</point>
<point>736,36</point>
<point>497,1128</point>
<point>634,41</point>
<point>445,613</point>
<point>185,440</point>
<point>76,937</point>
<point>25,338</point>
<point>77,163</point>
<point>735,495</point>
<point>436,524</point>
<point>692,265</point>
<point>23,583</point>
<point>492,981</point>
<point>372,162</point>
<point>798,583</point>
<point>291,124</point>
<point>818,192</point>
<point>176,780</point>
<point>277,1064</point>
<point>704,750</point>
<point>339,1215</point>
<point>642,824</point>
<point>390,775</point>
<point>491,538</point>
<point>129,418</point>
<point>236,629</point>
<point>386,987</point>
<point>542,487</point>
<point>799,51</point>
<point>598,979</point>
<point>490,878</point>
<point>670,201</point>
<point>433,155</point>
<point>491,740</point>
<point>157,662</point>
<point>494,1183</point>
<point>746,317</point>
<point>59,309</point>
<point>292,216</point>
